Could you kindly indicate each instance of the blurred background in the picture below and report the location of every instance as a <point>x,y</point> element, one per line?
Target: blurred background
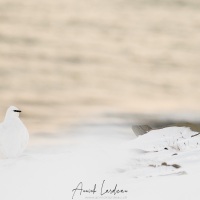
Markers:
<point>62,61</point>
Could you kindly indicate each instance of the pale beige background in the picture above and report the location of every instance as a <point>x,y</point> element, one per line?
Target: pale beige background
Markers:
<point>64,60</point>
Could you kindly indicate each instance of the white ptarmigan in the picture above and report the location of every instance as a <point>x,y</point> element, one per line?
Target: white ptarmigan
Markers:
<point>14,135</point>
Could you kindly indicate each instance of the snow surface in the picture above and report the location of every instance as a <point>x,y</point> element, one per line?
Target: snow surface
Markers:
<point>53,165</point>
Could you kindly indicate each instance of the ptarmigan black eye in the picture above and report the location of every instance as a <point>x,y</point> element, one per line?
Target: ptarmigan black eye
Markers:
<point>17,110</point>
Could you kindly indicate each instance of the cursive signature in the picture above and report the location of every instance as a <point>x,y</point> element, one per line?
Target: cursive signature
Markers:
<point>79,189</point>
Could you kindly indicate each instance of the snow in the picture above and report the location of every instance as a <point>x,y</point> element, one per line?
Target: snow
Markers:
<point>170,138</point>
<point>54,165</point>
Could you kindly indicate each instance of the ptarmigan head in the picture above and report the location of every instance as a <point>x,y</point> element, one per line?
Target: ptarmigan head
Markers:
<point>12,111</point>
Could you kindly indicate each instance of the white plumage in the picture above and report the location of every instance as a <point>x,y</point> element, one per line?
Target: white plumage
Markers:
<point>13,134</point>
